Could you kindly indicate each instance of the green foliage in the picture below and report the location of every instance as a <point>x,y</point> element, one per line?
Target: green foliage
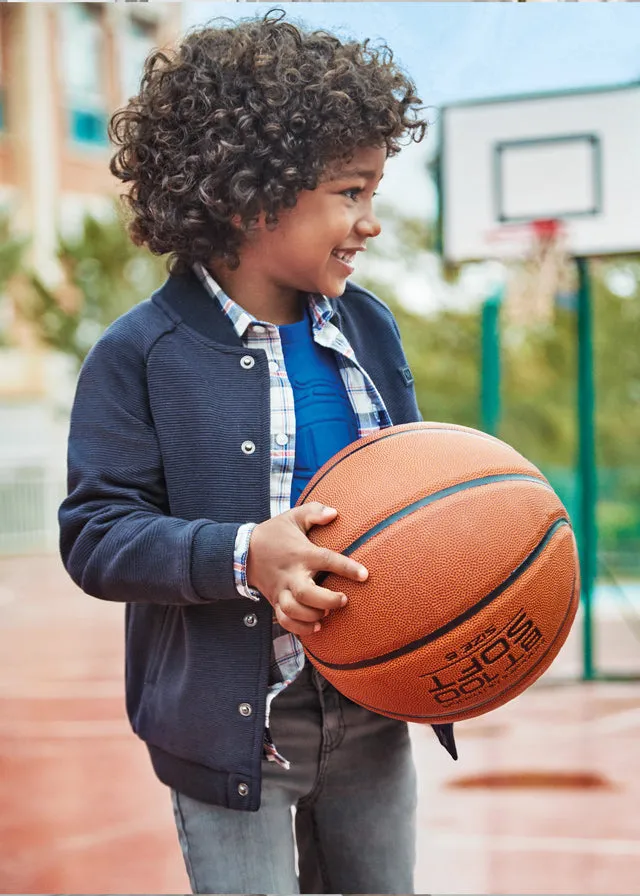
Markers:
<point>443,353</point>
<point>539,390</point>
<point>105,275</point>
<point>11,257</point>
<point>11,252</point>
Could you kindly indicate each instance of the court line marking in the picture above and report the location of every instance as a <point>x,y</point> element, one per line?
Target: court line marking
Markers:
<point>523,843</point>
<point>427,840</point>
<point>152,824</point>
<point>54,730</point>
<point>63,690</point>
<point>614,722</point>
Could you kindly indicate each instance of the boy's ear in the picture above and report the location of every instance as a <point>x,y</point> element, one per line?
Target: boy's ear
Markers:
<point>256,224</point>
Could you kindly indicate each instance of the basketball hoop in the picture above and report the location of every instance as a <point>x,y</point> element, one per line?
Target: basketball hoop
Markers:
<point>539,274</point>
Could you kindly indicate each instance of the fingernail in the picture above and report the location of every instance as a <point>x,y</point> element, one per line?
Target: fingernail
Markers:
<point>343,600</point>
<point>363,573</point>
<point>329,510</point>
<point>317,627</point>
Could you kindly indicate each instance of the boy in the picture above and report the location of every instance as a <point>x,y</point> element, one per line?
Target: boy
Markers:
<point>252,155</point>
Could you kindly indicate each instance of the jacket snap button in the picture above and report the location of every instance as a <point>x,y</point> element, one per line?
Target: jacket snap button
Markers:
<point>247,362</point>
<point>250,620</point>
<point>243,789</point>
<point>248,447</point>
<point>245,709</point>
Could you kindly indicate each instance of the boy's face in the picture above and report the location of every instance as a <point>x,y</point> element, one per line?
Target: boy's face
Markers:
<point>314,246</point>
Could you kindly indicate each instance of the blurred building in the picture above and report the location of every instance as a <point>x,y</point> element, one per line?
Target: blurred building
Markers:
<point>64,68</point>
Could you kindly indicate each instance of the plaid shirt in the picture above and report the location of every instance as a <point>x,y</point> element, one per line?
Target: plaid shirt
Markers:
<point>287,657</point>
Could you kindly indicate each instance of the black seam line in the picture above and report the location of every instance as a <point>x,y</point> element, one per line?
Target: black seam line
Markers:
<point>437,496</point>
<point>445,718</point>
<point>431,499</point>
<point>392,435</point>
<point>463,617</point>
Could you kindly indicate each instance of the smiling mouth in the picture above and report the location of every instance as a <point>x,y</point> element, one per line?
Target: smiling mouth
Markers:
<point>346,257</point>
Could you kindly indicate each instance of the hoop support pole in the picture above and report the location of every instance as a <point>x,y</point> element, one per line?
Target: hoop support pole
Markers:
<point>490,364</point>
<point>586,464</point>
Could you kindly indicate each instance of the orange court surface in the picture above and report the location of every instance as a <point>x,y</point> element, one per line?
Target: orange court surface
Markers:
<point>544,799</point>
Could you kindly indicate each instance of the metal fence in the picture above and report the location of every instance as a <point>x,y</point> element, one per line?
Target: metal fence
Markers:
<point>29,501</point>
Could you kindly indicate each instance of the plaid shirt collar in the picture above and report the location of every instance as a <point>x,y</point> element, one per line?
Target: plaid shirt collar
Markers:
<point>321,308</point>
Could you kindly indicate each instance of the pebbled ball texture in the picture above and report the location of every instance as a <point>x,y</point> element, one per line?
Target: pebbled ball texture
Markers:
<point>473,572</point>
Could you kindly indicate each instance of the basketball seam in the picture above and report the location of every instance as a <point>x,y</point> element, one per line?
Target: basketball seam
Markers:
<point>431,499</point>
<point>418,428</point>
<point>454,623</point>
<point>442,719</point>
<point>437,496</point>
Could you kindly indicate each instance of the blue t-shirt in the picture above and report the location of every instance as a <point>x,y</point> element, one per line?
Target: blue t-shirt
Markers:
<point>325,420</point>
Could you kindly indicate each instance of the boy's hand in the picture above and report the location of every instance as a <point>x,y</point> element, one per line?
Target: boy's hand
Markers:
<point>282,562</point>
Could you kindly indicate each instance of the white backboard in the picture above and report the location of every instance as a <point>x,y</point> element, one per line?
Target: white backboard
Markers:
<point>573,156</point>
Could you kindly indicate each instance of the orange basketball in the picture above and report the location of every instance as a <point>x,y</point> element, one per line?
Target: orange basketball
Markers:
<point>473,572</point>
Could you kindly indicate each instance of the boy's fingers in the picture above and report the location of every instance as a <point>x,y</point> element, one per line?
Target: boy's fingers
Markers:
<point>294,609</point>
<point>313,514</point>
<point>293,625</point>
<point>312,595</point>
<point>326,560</point>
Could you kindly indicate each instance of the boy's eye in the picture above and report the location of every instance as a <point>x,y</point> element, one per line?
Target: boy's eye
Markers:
<point>354,192</point>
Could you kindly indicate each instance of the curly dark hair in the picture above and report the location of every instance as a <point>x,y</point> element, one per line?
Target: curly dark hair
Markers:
<point>240,118</point>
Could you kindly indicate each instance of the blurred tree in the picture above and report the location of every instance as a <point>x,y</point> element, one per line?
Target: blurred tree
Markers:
<point>442,347</point>
<point>442,351</point>
<point>539,390</point>
<point>104,275</point>
<point>11,263</point>
<point>11,252</point>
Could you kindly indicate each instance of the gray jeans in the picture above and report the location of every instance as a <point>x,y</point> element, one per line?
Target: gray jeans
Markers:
<point>352,783</point>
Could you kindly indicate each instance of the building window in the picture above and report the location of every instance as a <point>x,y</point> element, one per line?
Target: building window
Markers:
<point>83,73</point>
<point>139,40</point>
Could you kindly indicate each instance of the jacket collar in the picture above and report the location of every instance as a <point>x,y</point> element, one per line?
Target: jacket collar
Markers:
<point>186,299</point>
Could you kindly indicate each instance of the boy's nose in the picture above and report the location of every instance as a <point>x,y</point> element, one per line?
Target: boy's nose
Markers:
<point>369,225</point>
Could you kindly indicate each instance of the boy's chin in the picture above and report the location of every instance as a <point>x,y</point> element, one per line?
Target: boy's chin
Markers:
<point>334,289</point>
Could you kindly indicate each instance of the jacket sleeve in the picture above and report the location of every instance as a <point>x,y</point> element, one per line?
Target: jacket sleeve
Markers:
<point>117,540</point>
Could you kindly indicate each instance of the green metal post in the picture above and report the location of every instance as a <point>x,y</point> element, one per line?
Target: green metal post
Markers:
<point>586,463</point>
<point>490,366</point>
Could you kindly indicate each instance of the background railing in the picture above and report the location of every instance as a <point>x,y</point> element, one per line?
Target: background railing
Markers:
<point>29,501</point>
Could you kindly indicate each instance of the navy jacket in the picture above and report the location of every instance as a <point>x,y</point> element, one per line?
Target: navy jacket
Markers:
<point>162,408</point>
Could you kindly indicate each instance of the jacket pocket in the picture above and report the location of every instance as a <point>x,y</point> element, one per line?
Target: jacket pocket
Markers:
<point>158,647</point>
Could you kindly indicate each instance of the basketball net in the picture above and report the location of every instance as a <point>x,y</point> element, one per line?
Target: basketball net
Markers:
<point>537,278</point>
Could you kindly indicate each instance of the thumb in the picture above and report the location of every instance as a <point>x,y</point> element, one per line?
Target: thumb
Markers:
<point>313,514</point>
